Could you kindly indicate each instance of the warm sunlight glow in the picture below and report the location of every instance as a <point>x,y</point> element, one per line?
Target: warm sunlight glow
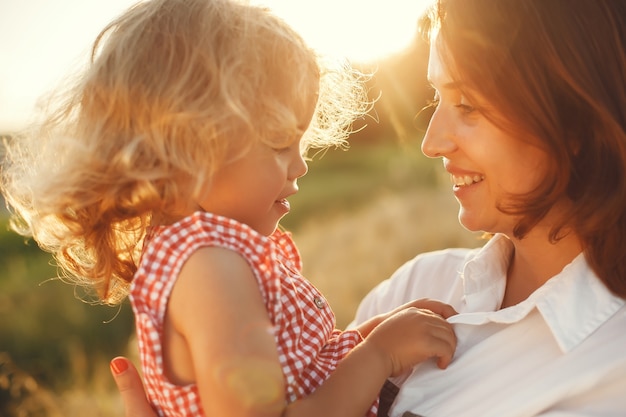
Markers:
<point>361,30</point>
<point>41,41</point>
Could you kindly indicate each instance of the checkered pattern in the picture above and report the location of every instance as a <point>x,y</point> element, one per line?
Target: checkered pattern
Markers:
<point>308,344</point>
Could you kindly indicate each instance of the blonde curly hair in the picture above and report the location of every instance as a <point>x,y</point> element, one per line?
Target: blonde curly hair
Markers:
<point>173,87</point>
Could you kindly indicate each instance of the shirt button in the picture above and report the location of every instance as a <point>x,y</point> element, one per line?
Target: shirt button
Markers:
<point>319,302</point>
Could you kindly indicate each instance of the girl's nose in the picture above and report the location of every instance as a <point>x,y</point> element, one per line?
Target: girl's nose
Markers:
<point>438,141</point>
<point>298,167</point>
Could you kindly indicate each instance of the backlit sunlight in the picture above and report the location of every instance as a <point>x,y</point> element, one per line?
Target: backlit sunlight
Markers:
<point>42,40</point>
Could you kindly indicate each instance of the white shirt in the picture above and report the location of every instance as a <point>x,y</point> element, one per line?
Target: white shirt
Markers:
<point>561,352</point>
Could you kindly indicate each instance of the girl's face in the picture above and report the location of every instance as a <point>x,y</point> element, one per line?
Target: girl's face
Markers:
<point>486,164</point>
<point>254,188</point>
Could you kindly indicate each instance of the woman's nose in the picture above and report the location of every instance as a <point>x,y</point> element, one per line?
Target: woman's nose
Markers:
<point>438,140</point>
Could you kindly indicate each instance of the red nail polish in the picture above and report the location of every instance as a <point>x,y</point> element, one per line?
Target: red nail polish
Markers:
<point>118,365</point>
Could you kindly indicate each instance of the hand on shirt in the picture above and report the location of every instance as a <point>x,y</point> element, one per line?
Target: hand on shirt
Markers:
<point>411,334</point>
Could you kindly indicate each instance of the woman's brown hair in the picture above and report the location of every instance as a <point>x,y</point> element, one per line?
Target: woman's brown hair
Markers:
<point>556,72</point>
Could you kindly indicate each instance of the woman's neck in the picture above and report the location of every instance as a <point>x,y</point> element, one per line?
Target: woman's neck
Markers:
<point>534,261</point>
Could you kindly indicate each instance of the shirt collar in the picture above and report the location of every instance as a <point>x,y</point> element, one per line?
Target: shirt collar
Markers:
<point>573,303</point>
<point>484,274</point>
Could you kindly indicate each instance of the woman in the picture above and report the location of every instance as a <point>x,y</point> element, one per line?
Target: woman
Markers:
<point>531,125</point>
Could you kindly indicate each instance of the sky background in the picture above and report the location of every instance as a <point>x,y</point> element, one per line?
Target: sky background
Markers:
<point>41,41</point>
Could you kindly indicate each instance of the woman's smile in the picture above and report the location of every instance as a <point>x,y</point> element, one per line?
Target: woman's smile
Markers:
<point>465,180</point>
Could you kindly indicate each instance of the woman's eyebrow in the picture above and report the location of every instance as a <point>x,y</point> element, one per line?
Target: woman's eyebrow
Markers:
<point>452,85</point>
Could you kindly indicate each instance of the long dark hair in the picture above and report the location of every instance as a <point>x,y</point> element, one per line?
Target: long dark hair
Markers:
<point>556,72</point>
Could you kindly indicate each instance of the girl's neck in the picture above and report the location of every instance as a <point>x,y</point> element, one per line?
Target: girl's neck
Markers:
<point>534,261</point>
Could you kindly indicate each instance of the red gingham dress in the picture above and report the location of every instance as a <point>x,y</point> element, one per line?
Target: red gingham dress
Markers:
<point>308,344</point>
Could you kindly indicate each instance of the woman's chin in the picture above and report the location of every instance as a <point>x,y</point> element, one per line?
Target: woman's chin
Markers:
<point>470,223</point>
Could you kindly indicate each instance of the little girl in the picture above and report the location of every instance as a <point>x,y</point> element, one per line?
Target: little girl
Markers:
<point>164,174</point>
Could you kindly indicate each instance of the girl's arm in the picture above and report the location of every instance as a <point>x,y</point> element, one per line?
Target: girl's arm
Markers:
<point>219,336</point>
<point>401,341</point>
<point>134,398</point>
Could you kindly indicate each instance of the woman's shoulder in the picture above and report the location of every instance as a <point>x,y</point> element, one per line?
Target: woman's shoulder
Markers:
<point>434,275</point>
<point>436,268</point>
<point>444,258</point>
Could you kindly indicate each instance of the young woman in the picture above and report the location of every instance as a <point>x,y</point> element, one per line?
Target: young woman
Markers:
<point>530,123</point>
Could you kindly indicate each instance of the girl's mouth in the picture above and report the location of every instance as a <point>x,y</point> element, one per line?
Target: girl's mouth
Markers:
<point>283,202</point>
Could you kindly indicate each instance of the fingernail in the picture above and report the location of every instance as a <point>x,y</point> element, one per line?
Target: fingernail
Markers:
<point>119,365</point>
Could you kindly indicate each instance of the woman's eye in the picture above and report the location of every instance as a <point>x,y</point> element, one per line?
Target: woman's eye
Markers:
<point>464,106</point>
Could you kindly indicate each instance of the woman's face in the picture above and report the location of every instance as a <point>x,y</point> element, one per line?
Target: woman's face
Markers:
<point>486,164</point>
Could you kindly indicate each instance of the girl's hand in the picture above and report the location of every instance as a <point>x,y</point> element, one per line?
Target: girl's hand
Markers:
<point>437,307</point>
<point>412,335</point>
<point>131,388</point>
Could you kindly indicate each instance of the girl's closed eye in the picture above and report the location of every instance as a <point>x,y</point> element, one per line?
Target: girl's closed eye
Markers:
<point>289,146</point>
<point>282,149</point>
<point>281,146</point>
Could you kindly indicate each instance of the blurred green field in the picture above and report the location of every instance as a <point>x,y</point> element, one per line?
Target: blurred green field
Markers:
<point>359,214</point>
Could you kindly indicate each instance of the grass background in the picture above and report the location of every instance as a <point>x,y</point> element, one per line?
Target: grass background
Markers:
<point>358,216</point>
